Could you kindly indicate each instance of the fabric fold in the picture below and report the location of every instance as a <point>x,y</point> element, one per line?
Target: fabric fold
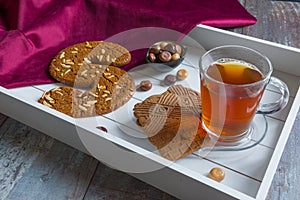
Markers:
<point>32,32</point>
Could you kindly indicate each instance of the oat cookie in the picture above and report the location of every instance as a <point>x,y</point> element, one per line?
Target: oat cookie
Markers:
<point>79,65</point>
<point>65,66</point>
<point>64,99</point>
<point>171,121</point>
<point>115,87</point>
<point>109,53</point>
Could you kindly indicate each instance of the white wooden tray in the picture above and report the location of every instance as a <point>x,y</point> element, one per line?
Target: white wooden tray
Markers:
<point>248,173</point>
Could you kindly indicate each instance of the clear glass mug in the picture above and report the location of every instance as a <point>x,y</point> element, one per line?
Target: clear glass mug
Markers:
<point>233,80</point>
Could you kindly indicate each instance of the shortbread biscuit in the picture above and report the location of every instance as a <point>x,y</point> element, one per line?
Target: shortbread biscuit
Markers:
<point>171,121</point>
<point>79,65</point>
<point>115,87</point>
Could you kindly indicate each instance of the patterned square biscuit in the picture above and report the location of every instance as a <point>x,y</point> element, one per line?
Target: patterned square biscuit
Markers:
<point>171,121</point>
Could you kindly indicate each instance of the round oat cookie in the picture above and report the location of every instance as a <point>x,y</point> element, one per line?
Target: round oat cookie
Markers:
<point>109,53</point>
<point>65,66</point>
<point>65,99</point>
<point>114,88</point>
<point>79,65</point>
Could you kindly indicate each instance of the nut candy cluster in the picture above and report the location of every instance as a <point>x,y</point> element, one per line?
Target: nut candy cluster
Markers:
<point>163,52</point>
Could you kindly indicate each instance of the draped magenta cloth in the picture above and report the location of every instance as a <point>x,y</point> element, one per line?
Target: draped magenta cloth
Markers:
<point>32,32</point>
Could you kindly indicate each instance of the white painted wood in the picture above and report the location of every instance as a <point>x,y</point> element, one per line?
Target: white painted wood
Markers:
<point>210,37</point>
<point>290,80</point>
<point>279,148</point>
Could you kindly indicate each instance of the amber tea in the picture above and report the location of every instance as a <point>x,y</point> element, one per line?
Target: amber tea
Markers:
<point>233,80</point>
<point>228,108</point>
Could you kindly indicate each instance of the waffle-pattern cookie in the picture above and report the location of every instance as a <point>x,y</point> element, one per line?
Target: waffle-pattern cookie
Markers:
<point>178,100</point>
<point>188,136</point>
<point>171,121</point>
<point>115,87</point>
<point>79,65</point>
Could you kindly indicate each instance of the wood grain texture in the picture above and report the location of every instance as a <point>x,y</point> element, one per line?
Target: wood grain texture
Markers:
<point>35,166</point>
<point>2,119</point>
<point>278,21</point>
<point>16,152</point>
<point>108,183</point>
<point>285,184</point>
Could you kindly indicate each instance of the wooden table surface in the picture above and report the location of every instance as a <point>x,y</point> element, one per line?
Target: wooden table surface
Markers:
<point>35,166</point>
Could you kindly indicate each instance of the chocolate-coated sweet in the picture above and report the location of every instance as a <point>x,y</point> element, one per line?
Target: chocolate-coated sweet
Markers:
<point>152,57</point>
<point>155,49</point>
<point>170,79</point>
<point>178,49</point>
<point>145,85</point>
<point>165,56</point>
<point>170,48</point>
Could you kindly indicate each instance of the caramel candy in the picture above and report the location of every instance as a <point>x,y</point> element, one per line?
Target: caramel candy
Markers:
<point>182,74</point>
<point>216,174</point>
<point>165,56</point>
<point>145,85</point>
<point>175,56</point>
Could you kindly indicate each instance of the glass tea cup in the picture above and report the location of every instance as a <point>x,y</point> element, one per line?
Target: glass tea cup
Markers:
<point>233,80</point>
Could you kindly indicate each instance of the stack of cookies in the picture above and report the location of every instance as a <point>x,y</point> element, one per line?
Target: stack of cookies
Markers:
<point>171,121</point>
<point>94,67</point>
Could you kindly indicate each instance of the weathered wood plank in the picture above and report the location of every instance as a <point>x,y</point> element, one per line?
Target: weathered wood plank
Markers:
<point>286,181</point>
<point>35,166</point>
<point>19,147</point>
<point>2,119</point>
<point>108,183</point>
<point>278,21</point>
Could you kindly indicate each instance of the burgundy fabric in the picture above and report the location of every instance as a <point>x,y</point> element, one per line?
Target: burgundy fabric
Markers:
<point>32,32</point>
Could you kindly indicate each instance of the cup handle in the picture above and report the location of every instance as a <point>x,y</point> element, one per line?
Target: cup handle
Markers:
<point>270,108</point>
